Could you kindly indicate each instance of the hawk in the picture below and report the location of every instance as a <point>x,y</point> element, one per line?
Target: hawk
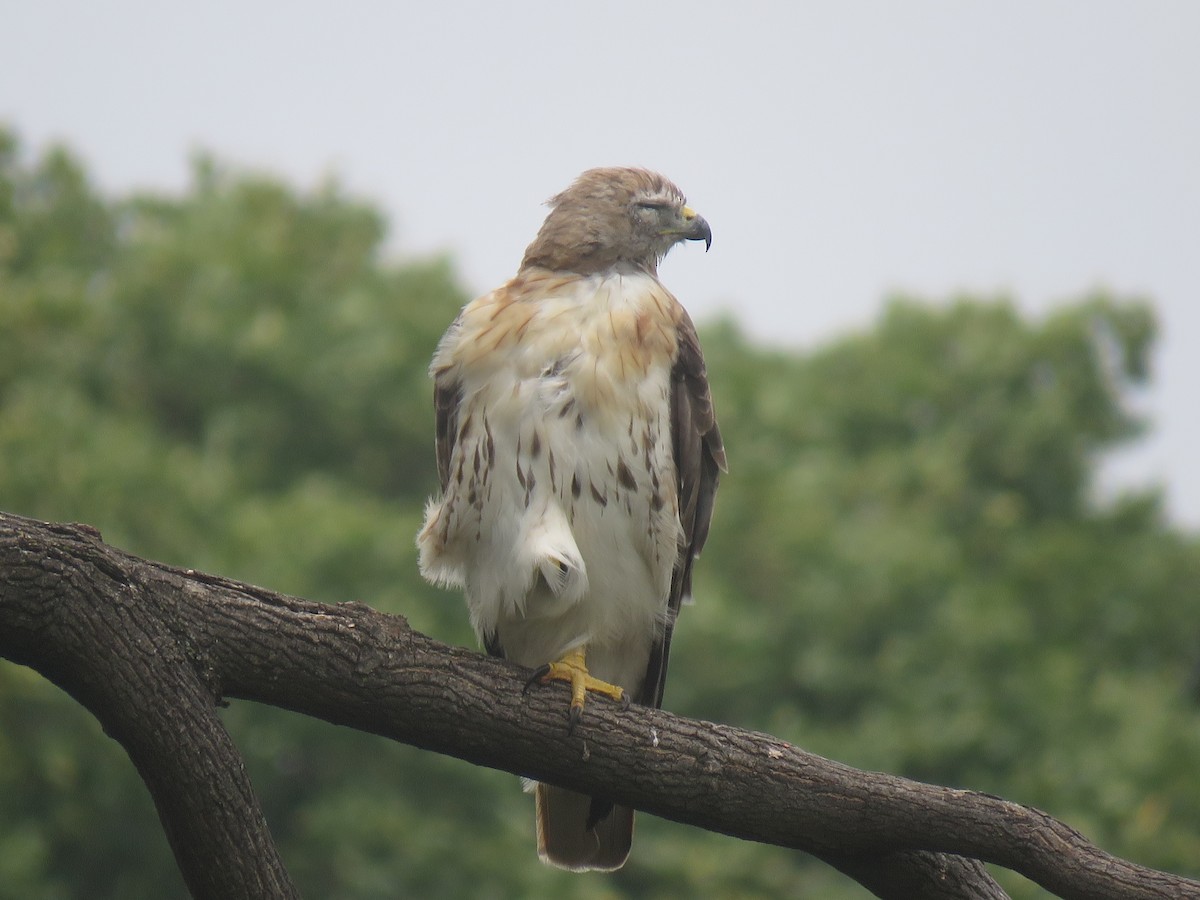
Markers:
<point>578,455</point>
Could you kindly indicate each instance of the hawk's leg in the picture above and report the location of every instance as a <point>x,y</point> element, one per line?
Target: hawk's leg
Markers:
<point>572,668</point>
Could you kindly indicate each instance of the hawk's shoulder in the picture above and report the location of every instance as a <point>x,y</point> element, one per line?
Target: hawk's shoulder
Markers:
<point>626,318</point>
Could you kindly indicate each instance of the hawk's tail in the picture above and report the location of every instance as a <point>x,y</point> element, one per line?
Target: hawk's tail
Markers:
<point>578,832</point>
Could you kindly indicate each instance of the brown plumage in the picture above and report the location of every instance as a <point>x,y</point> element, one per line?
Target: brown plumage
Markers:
<point>579,454</point>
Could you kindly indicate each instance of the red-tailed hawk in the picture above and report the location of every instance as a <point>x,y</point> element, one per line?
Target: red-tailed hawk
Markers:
<point>578,456</point>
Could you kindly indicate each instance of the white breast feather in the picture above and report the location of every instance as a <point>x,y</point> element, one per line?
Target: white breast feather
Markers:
<point>563,525</point>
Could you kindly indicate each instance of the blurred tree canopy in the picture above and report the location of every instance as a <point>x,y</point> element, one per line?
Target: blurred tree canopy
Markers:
<point>908,570</point>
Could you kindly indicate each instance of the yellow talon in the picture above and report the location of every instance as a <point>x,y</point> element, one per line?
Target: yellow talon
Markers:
<point>572,669</point>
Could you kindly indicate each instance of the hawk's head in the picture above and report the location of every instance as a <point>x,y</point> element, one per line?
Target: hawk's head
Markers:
<point>614,217</point>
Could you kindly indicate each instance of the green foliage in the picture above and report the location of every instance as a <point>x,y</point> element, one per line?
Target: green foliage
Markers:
<point>907,569</point>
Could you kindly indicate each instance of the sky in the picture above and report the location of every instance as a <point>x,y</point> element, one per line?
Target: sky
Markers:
<point>843,152</point>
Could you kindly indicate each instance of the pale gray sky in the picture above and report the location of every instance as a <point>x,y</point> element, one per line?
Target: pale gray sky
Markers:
<point>841,150</point>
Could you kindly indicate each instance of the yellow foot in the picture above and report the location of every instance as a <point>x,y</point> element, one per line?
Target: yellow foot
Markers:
<point>572,669</point>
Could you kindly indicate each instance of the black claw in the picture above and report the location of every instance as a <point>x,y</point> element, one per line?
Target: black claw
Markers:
<point>536,677</point>
<point>573,718</point>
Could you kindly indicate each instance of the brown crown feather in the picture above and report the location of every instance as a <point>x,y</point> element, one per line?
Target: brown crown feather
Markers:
<point>592,225</point>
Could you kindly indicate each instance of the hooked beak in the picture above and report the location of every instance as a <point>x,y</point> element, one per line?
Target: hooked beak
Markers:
<point>695,228</point>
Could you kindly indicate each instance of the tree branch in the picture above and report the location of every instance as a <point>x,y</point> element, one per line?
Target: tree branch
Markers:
<point>150,649</point>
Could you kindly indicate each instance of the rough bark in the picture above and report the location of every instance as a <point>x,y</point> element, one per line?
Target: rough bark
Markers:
<point>150,650</point>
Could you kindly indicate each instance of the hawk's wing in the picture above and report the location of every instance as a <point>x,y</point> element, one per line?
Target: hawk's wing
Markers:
<point>447,396</point>
<point>699,460</point>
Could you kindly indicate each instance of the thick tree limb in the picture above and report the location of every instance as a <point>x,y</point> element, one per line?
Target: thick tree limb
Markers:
<point>150,649</point>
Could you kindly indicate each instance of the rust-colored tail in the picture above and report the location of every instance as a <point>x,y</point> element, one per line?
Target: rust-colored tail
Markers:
<point>578,832</point>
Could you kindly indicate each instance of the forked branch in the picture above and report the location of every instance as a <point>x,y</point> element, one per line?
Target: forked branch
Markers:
<point>150,650</point>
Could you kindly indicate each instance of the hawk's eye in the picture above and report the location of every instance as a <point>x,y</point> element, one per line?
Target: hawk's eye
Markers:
<point>649,212</point>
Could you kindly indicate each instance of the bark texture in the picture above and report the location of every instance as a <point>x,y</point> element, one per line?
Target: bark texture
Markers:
<point>151,650</point>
